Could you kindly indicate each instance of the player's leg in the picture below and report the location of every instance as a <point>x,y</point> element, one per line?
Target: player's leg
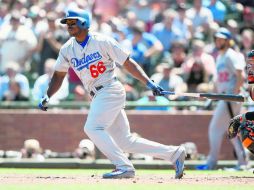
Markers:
<point>217,129</point>
<point>239,150</point>
<point>216,133</point>
<point>103,111</point>
<point>120,131</point>
<point>240,153</point>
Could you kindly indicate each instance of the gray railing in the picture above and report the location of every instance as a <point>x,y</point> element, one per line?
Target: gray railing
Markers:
<point>129,104</point>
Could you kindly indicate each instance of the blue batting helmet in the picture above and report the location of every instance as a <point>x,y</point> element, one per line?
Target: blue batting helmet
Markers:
<point>83,17</point>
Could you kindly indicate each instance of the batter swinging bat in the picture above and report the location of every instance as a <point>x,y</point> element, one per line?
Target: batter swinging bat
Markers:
<point>212,96</point>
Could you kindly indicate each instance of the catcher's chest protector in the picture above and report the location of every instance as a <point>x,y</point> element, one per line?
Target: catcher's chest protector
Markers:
<point>247,135</point>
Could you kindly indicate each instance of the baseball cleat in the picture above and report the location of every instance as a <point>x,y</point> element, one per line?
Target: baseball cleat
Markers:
<point>118,174</point>
<point>179,164</point>
<point>203,167</point>
<point>210,166</point>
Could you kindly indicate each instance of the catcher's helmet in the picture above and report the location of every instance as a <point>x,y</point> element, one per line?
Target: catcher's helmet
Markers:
<point>250,55</point>
<point>83,17</point>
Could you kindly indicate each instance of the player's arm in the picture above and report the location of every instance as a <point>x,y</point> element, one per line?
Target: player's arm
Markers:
<point>54,85</point>
<point>137,72</point>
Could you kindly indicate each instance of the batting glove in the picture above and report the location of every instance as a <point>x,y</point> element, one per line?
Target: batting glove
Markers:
<point>157,90</point>
<point>43,105</point>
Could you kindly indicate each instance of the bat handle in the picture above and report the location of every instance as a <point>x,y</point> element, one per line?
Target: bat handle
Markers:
<point>168,93</point>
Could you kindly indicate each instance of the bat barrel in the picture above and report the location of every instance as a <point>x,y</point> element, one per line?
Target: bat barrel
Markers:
<point>226,97</point>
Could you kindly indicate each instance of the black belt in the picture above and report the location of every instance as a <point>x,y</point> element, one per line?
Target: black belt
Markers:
<point>97,88</point>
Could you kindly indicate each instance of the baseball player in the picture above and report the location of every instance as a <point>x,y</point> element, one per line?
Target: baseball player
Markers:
<point>229,79</point>
<point>243,124</point>
<point>93,57</point>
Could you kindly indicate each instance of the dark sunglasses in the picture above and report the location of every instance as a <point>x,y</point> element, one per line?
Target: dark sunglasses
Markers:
<point>71,22</point>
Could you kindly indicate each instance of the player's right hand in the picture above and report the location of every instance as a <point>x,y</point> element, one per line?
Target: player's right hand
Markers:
<point>43,105</point>
<point>157,90</point>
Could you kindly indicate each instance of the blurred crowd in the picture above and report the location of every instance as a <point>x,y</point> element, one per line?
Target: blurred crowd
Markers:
<point>171,39</point>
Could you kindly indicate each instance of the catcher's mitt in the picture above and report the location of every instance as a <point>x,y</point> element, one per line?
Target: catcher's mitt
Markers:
<point>234,125</point>
<point>246,133</point>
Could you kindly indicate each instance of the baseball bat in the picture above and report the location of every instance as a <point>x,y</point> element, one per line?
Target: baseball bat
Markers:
<point>212,96</point>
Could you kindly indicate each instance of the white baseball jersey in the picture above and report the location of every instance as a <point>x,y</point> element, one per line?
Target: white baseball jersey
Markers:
<point>95,63</point>
<point>226,66</point>
<point>107,124</point>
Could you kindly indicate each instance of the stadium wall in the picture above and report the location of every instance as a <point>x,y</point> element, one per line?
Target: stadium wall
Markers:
<point>61,130</point>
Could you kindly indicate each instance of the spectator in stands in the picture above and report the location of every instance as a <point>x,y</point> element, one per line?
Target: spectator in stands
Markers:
<point>143,12</point>
<point>248,14</point>
<point>200,16</point>
<point>160,7</point>
<point>50,41</point>
<point>41,84</point>
<point>32,149</point>
<point>107,8</point>
<point>3,13</point>
<point>168,80</point>
<point>199,69</point>
<point>178,53</point>
<point>183,24</point>
<point>13,75</point>
<point>151,46</point>
<point>131,20</point>
<point>17,42</point>
<point>85,150</point>
<point>14,92</point>
<point>165,31</point>
<point>217,8</point>
<point>100,25</point>
<point>233,27</point>
<point>247,41</point>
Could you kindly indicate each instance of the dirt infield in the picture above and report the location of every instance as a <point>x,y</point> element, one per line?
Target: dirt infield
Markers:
<point>139,179</point>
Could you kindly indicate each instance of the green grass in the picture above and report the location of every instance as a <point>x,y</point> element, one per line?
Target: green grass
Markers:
<point>133,186</point>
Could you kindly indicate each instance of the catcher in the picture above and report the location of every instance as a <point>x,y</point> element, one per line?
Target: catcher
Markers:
<point>243,124</point>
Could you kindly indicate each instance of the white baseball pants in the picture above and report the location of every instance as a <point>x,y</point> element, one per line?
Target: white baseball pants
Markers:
<point>108,127</point>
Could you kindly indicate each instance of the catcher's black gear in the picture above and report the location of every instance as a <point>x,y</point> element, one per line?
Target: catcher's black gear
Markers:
<point>246,131</point>
<point>234,125</point>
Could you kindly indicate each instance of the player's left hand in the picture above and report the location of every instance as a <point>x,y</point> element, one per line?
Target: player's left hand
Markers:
<point>157,90</point>
<point>234,125</point>
<point>43,105</point>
